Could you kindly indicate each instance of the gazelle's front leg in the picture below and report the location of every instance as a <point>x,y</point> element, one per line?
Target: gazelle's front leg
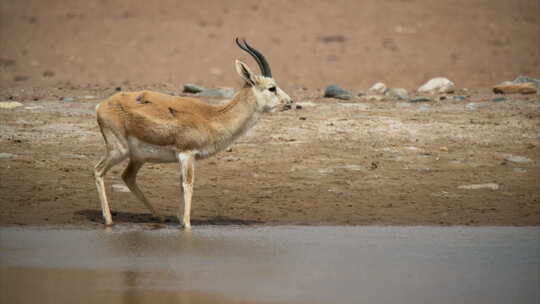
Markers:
<point>187,162</point>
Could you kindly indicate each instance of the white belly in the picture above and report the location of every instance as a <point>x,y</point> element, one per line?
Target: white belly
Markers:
<point>151,153</point>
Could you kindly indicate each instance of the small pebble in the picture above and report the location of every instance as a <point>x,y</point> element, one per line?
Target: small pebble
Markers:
<point>424,108</point>
<point>471,106</point>
<point>21,78</point>
<point>499,99</point>
<point>458,98</point>
<point>120,188</point>
<point>491,186</point>
<point>48,73</point>
<point>518,159</point>
<point>397,94</point>
<point>403,104</point>
<point>6,155</point>
<point>421,99</point>
<point>9,104</point>
<point>378,88</point>
<point>373,98</point>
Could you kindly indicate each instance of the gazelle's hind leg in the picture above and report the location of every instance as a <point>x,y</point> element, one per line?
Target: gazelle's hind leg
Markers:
<point>130,178</point>
<point>116,152</point>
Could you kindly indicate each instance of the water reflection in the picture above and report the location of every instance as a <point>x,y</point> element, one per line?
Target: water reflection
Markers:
<point>52,286</point>
<point>127,264</point>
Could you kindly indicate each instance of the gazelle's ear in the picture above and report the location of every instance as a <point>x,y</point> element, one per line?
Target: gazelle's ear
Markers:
<point>244,72</point>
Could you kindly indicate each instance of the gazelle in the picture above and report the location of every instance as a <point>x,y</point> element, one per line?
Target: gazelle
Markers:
<point>149,126</point>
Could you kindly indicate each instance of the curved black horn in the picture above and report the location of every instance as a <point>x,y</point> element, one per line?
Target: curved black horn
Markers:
<point>261,61</point>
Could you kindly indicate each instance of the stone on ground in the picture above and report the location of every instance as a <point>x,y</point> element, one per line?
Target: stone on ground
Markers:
<point>335,91</point>
<point>378,88</point>
<point>437,85</point>
<point>9,104</point>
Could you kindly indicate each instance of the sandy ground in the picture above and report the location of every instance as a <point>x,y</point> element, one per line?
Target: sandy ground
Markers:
<point>331,162</point>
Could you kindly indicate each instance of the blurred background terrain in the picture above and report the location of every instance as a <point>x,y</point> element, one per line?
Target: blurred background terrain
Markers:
<point>475,43</point>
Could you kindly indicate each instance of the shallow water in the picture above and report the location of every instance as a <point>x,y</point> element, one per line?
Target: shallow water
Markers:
<point>289,264</point>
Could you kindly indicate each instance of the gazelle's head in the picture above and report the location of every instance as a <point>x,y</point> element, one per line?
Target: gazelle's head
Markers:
<point>269,96</point>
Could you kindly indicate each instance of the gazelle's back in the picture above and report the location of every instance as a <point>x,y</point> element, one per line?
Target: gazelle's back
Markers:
<point>157,118</point>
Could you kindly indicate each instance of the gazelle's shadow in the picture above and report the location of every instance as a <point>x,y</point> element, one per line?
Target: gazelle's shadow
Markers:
<point>146,218</point>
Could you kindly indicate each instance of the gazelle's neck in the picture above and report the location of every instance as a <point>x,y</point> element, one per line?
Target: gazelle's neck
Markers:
<point>232,120</point>
<point>241,113</point>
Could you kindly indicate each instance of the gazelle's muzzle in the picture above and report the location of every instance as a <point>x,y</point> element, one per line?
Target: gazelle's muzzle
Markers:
<point>287,105</point>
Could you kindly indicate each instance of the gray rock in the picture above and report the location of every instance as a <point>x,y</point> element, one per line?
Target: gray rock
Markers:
<point>378,88</point>
<point>458,98</point>
<point>219,93</point>
<point>518,159</point>
<point>335,91</point>
<point>6,155</point>
<point>193,88</point>
<point>420,99</point>
<point>68,99</point>
<point>498,99</point>
<point>524,79</point>
<point>437,85</point>
<point>397,94</point>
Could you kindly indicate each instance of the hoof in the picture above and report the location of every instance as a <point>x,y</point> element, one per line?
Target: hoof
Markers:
<point>108,225</point>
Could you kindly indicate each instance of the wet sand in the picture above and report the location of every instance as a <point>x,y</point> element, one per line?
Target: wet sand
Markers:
<point>284,264</point>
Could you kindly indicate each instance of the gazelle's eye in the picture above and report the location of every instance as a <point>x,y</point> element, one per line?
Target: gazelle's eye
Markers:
<point>272,89</point>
